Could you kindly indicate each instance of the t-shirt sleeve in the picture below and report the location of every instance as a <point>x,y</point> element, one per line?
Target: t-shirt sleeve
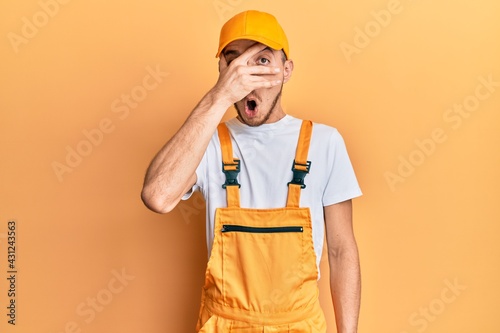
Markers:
<point>342,184</point>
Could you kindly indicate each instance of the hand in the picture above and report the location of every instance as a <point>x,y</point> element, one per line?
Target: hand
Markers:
<point>238,79</point>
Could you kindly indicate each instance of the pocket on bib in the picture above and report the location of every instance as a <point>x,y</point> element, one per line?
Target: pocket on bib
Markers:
<point>263,267</point>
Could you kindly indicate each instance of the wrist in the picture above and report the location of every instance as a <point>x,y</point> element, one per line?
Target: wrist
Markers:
<point>218,99</point>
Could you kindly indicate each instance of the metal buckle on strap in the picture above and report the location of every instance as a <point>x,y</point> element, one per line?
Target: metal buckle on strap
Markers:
<point>231,171</point>
<point>300,174</point>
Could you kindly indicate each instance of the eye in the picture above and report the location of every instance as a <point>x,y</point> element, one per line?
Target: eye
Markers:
<point>229,60</point>
<point>263,61</point>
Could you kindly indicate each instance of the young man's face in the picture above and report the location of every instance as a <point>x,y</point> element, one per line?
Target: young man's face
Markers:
<point>263,105</point>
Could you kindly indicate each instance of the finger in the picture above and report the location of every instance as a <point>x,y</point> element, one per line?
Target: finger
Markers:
<point>256,82</point>
<point>266,84</point>
<point>262,70</point>
<point>250,52</point>
<point>259,74</point>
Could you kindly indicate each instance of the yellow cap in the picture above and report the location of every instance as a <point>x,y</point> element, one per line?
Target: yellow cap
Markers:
<point>254,25</point>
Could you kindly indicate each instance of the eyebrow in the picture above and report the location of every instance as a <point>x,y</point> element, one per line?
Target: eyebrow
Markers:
<point>231,53</point>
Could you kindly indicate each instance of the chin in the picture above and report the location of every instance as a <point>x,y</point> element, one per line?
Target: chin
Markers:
<point>253,122</point>
<point>257,120</point>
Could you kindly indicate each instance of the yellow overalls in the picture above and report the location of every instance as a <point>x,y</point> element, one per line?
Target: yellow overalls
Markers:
<point>262,273</point>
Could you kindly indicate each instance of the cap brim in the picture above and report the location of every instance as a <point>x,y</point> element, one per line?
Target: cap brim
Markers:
<point>259,39</point>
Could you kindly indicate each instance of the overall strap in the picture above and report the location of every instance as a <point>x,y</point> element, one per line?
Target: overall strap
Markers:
<point>230,167</point>
<point>300,165</point>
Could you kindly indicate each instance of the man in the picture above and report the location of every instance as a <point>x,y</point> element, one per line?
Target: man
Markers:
<point>266,220</point>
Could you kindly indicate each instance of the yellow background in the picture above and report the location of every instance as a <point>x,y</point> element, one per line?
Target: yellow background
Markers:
<point>428,234</point>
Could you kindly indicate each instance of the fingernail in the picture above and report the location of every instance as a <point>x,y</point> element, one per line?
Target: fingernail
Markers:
<point>277,69</point>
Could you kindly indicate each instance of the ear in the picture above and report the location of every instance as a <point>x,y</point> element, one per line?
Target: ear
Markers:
<point>287,70</point>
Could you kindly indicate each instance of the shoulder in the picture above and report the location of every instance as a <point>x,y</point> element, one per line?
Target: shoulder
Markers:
<point>326,133</point>
<point>318,128</point>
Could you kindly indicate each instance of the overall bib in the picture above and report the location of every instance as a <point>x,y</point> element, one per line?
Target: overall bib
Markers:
<point>262,273</point>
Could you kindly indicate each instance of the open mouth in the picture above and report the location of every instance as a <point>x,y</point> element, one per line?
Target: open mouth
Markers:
<point>251,108</point>
<point>251,105</point>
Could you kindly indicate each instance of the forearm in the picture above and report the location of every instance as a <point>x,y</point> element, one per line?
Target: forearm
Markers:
<point>172,171</point>
<point>345,285</point>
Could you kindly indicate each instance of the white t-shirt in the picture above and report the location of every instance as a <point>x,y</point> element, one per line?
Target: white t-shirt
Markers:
<point>266,153</point>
